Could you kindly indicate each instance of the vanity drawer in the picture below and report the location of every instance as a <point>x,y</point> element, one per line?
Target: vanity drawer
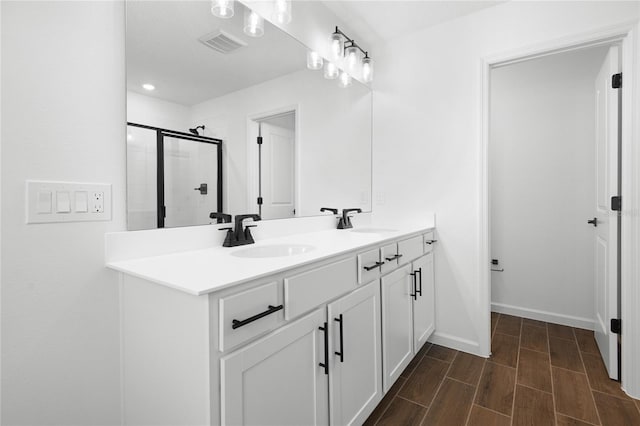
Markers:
<point>252,312</point>
<point>309,289</point>
<point>389,255</point>
<point>429,240</point>
<point>368,266</point>
<point>410,249</point>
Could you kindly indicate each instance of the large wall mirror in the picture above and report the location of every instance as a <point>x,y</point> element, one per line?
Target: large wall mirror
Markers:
<point>192,141</point>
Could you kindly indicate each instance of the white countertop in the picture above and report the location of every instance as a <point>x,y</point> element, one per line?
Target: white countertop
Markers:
<point>207,270</point>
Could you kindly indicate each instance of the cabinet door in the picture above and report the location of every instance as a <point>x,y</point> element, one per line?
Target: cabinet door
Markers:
<point>397,324</point>
<point>356,374</point>
<point>424,304</point>
<point>277,380</point>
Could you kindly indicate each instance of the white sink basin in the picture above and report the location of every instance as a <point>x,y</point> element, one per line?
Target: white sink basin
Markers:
<point>275,250</point>
<point>373,230</point>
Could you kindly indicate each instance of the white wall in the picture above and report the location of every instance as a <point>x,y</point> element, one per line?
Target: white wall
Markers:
<point>333,139</point>
<point>542,186</point>
<point>63,119</point>
<point>427,129</point>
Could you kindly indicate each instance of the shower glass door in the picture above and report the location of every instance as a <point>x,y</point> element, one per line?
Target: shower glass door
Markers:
<point>173,178</point>
<point>190,176</point>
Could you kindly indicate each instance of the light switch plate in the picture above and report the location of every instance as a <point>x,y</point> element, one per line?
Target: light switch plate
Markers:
<point>67,201</point>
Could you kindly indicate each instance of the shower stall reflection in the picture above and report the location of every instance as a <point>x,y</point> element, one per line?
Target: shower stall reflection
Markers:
<point>173,178</point>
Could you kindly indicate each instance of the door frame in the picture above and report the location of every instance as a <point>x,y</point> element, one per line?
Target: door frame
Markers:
<point>627,36</point>
<point>252,154</point>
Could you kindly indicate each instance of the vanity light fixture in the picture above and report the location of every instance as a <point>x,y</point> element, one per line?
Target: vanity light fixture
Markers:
<point>341,45</point>
<point>253,23</point>
<point>148,86</point>
<point>314,60</point>
<point>351,57</point>
<point>222,8</point>
<point>344,80</point>
<point>282,11</point>
<point>367,69</point>
<point>336,46</point>
<point>331,71</point>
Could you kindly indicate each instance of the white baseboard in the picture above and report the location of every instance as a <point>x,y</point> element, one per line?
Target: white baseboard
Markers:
<point>457,343</point>
<point>551,317</point>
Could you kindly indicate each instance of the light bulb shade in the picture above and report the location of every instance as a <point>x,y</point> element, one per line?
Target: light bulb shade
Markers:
<point>282,11</point>
<point>314,60</point>
<point>351,54</point>
<point>344,80</point>
<point>367,69</point>
<point>253,24</point>
<point>331,71</point>
<point>336,47</point>
<point>222,8</point>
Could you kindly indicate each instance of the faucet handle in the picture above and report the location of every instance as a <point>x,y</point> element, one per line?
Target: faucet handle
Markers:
<point>329,209</point>
<point>225,229</point>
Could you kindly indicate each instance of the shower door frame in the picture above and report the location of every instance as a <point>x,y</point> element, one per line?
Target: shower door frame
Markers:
<point>160,135</point>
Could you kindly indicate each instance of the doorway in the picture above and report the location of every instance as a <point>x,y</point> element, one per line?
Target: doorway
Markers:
<point>272,142</point>
<point>553,168</point>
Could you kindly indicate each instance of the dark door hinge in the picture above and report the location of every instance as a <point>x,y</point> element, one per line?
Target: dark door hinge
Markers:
<point>616,80</point>
<point>259,140</point>
<point>616,326</point>
<point>616,203</point>
<point>259,201</point>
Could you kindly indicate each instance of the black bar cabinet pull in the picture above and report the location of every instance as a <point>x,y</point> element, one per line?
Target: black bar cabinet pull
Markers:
<point>325,365</point>
<point>430,242</point>
<point>374,266</point>
<point>237,323</point>
<point>415,283</point>
<point>394,257</point>
<point>419,291</point>
<point>341,353</point>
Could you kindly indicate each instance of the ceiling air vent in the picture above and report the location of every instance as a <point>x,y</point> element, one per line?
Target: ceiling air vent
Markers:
<point>222,41</point>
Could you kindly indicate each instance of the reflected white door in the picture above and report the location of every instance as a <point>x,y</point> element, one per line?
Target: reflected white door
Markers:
<point>278,196</point>
<point>606,245</point>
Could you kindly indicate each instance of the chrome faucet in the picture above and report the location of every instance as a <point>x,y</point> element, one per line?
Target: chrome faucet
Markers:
<point>240,236</point>
<point>345,220</point>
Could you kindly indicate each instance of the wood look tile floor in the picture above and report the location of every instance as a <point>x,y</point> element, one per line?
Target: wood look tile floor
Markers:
<point>539,374</point>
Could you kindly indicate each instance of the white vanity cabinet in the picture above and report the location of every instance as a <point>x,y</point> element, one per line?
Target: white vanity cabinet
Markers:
<point>397,324</point>
<point>408,309</point>
<point>355,374</point>
<point>424,301</point>
<point>277,380</point>
<point>329,358</point>
<point>314,344</point>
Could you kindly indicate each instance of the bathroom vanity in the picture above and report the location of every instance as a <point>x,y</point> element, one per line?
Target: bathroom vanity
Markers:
<point>310,328</point>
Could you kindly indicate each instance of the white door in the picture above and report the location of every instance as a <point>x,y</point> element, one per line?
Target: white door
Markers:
<point>277,380</point>
<point>424,304</point>
<point>355,380</point>
<point>606,246</point>
<point>278,189</point>
<point>397,324</point>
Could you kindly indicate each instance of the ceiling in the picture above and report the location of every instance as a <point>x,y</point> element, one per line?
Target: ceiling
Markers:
<point>379,20</point>
<point>162,48</point>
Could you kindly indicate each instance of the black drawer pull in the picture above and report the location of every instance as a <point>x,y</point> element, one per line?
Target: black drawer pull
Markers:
<point>419,291</point>
<point>394,257</point>
<point>325,365</point>
<point>272,309</point>
<point>374,266</point>
<point>430,242</point>
<point>341,353</point>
